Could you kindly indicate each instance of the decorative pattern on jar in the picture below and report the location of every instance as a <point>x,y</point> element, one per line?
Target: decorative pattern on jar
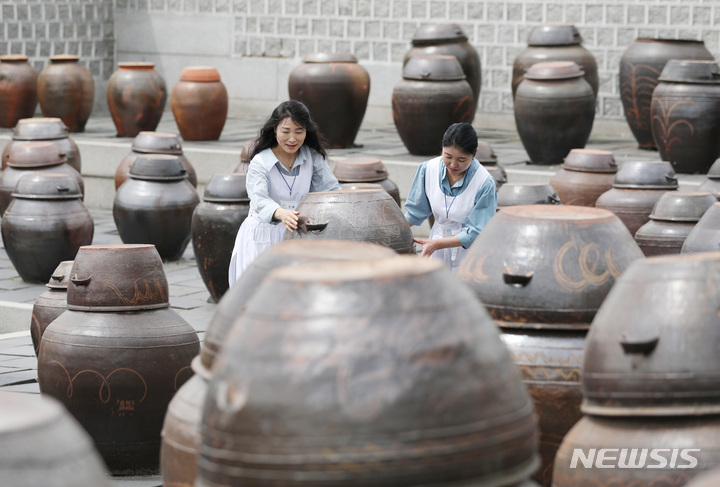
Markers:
<point>366,170</point>
<point>44,130</point>
<point>18,89</point>
<point>153,143</point>
<point>584,176</point>
<point>66,90</point>
<point>50,304</point>
<point>199,103</point>
<point>136,97</point>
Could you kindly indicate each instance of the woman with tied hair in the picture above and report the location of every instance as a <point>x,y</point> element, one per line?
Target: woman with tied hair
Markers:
<point>287,161</point>
<point>457,191</point>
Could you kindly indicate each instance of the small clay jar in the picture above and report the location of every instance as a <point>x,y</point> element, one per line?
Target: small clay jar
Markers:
<point>153,143</point>
<point>66,90</point>
<point>50,304</point>
<point>46,130</point>
<point>712,183</point>
<point>199,103</point>
<point>584,176</point>
<point>136,97</point>
<point>366,170</point>
<point>18,89</point>
<point>486,156</point>
<point>526,194</point>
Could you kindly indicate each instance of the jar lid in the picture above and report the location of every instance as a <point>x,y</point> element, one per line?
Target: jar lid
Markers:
<point>434,67</point>
<point>526,194</point>
<point>590,160</point>
<point>682,206</point>
<point>47,186</point>
<point>13,58</point>
<point>714,171</point>
<point>552,70</point>
<point>485,154</point>
<point>157,143</point>
<point>158,167</point>
<point>433,33</point>
<point>60,276</point>
<point>226,188</point>
<point>40,129</point>
<point>554,35</point>
<point>330,57</point>
<point>645,175</point>
<point>35,154</point>
<point>360,169</point>
<point>136,65</point>
<point>63,58</point>
<point>200,74</point>
<point>691,71</point>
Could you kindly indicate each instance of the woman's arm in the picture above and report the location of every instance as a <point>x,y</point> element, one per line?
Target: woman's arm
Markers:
<point>258,183</point>
<point>417,205</point>
<point>322,179</point>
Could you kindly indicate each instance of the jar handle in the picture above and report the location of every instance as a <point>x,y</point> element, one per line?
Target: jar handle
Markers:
<point>644,345</point>
<point>63,189</point>
<point>80,281</point>
<point>57,278</point>
<point>554,199</point>
<point>316,228</point>
<point>516,278</point>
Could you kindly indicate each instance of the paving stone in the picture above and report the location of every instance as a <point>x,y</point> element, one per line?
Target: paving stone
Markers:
<point>18,376</point>
<point>30,388</point>
<point>21,363</point>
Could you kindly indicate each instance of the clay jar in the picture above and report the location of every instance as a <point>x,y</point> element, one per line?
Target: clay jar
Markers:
<point>199,103</point>
<point>155,205</point>
<point>33,157</point>
<point>46,130</point>
<point>526,194</point>
<point>432,95</point>
<point>66,90</point>
<point>685,113</point>
<point>45,224</point>
<point>153,143</point>
<point>554,111</point>
<point>18,89</point>
<point>705,236</point>
<point>338,77</point>
<point>640,67</point>
<point>673,217</point>
<point>366,170</point>
<point>712,183</point>
<point>449,40</point>
<point>353,396</point>
<point>215,224</point>
<point>486,156</point>
<point>117,356</point>
<point>555,42</point>
<point>50,304</point>
<point>136,96</point>
<point>584,176</point>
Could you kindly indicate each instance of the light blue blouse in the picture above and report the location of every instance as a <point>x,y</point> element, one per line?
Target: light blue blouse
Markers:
<point>418,209</point>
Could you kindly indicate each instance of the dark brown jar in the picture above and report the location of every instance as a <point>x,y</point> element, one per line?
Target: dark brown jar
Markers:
<point>50,304</point>
<point>449,40</point>
<point>486,156</point>
<point>366,170</point>
<point>432,95</point>
<point>199,103</point>
<point>18,89</point>
<point>117,356</point>
<point>712,183</point>
<point>46,130</point>
<point>335,88</point>
<point>673,217</point>
<point>153,143</point>
<point>136,97</point>
<point>554,111</point>
<point>584,176</point>
<point>526,194</point>
<point>555,42</point>
<point>66,90</point>
<point>705,235</point>
<point>640,67</point>
<point>371,391</point>
<point>360,215</point>
<point>215,224</point>
<point>155,205</point>
<point>685,113</point>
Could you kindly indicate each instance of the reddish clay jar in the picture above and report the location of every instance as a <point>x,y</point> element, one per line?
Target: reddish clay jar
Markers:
<point>199,103</point>
<point>584,176</point>
<point>154,143</point>
<point>18,89</point>
<point>50,304</point>
<point>66,90</point>
<point>136,96</point>
<point>44,130</point>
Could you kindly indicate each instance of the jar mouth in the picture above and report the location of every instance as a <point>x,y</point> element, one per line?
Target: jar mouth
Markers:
<point>136,65</point>
<point>13,58</point>
<point>64,58</point>
<point>206,74</point>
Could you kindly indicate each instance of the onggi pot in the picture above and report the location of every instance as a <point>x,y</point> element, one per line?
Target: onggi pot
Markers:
<point>66,90</point>
<point>366,170</point>
<point>712,183</point>
<point>50,304</point>
<point>705,235</point>
<point>136,96</point>
<point>199,103</point>
<point>18,89</point>
<point>45,130</point>
<point>526,194</point>
<point>153,143</point>
<point>584,176</point>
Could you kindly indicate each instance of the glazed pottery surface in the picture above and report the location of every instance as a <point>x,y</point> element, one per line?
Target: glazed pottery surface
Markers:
<point>44,129</point>
<point>136,96</point>
<point>527,194</point>
<point>66,90</point>
<point>199,103</point>
<point>705,235</point>
<point>18,89</point>
<point>50,304</point>
<point>153,143</point>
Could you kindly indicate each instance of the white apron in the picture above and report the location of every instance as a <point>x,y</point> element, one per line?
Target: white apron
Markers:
<point>450,212</point>
<point>255,236</point>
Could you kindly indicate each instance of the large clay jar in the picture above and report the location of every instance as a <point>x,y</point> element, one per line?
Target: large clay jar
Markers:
<point>554,111</point>
<point>156,205</point>
<point>33,157</point>
<point>543,291</point>
<point>136,96</point>
<point>360,215</point>
<point>486,156</point>
<point>117,356</point>
<point>673,217</point>
<point>637,187</point>
<point>555,42</point>
<point>335,88</point>
<point>366,170</point>
<point>432,95</point>
<point>640,67</point>
<point>153,143</point>
<point>42,444</point>
<point>66,90</point>
<point>199,103</point>
<point>45,224</point>
<point>526,194</point>
<point>712,183</point>
<point>215,224</point>
<point>705,235</point>
<point>685,115</point>
<point>449,40</point>
<point>47,130</point>
<point>371,391</point>
<point>18,89</point>
<point>50,304</point>
<point>584,176</point>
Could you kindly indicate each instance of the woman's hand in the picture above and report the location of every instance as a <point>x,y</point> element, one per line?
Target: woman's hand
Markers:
<point>430,246</point>
<point>289,218</point>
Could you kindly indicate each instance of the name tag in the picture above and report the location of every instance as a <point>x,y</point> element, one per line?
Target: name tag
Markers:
<point>447,230</point>
<point>289,204</point>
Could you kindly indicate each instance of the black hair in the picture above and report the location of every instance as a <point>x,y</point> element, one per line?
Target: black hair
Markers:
<point>299,114</point>
<point>462,136</point>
